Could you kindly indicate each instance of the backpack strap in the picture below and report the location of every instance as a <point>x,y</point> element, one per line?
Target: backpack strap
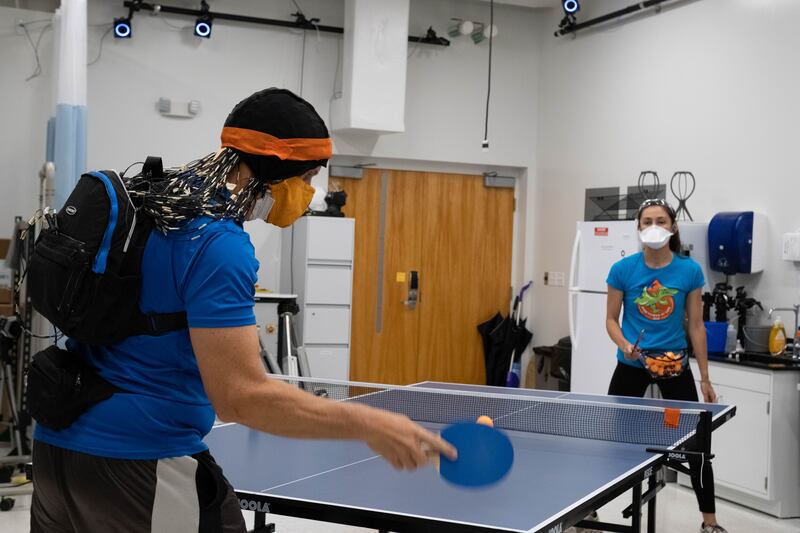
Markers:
<point>160,323</point>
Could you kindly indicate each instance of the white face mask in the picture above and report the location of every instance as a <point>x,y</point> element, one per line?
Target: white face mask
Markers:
<point>655,237</point>
<point>262,207</point>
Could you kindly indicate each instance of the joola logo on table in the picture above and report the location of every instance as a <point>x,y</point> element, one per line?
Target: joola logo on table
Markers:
<point>558,528</point>
<point>250,505</point>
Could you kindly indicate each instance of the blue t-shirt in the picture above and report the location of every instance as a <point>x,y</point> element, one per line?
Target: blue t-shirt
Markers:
<point>210,272</point>
<point>654,300</point>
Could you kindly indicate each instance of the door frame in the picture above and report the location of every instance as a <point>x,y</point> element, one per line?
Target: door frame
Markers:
<point>523,262</point>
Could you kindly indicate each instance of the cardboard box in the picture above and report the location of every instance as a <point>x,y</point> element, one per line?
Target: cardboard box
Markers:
<point>6,310</point>
<point>6,296</point>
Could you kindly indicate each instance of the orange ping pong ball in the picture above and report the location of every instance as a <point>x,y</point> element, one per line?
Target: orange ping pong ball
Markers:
<point>485,420</point>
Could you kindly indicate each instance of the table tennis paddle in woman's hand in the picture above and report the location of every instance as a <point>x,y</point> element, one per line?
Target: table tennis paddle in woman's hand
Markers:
<point>485,454</point>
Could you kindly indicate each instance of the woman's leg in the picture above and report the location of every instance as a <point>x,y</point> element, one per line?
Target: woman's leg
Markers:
<point>628,381</point>
<point>683,388</point>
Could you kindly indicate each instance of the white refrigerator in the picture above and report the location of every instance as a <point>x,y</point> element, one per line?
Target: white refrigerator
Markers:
<point>597,246</point>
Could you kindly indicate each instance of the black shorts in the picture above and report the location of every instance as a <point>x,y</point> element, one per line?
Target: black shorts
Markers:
<point>80,493</point>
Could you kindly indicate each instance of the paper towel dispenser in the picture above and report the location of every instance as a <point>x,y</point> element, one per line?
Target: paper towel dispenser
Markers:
<point>737,242</point>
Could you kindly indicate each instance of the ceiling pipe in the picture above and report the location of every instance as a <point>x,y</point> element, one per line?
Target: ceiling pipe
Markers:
<point>301,22</point>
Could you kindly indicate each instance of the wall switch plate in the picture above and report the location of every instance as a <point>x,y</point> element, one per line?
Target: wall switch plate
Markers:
<point>554,279</point>
<point>791,246</point>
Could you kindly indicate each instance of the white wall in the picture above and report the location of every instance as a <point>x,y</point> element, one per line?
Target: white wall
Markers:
<point>446,91</point>
<point>446,87</point>
<point>25,108</point>
<point>708,86</point>
<point>445,99</point>
<point>162,61</point>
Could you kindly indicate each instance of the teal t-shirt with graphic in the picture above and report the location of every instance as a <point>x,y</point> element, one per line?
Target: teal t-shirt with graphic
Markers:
<point>654,300</point>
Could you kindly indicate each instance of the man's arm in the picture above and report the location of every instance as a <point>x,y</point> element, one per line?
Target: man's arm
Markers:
<point>240,391</point>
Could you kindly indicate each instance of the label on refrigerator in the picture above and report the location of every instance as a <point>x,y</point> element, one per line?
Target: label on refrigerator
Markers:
<point>601,232</point>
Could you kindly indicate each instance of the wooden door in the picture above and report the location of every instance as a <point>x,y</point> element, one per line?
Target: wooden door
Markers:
<point>457,234</point>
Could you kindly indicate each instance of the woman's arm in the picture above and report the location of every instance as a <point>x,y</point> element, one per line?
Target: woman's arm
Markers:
<point>613,308</point>
<point>697,333</point>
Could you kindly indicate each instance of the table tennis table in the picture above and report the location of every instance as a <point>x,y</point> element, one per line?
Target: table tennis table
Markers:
<point>573,454</point>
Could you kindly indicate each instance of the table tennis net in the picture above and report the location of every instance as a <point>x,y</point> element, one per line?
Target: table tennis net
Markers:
<point>633,424</point>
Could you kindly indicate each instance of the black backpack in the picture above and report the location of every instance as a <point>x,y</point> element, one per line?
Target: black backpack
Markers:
<point>85,274</point>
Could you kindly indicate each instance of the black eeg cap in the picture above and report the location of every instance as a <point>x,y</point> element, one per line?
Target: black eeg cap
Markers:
<point>282,114</point>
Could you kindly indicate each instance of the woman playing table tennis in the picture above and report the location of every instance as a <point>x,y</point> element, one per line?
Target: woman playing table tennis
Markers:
<point>659,289</point>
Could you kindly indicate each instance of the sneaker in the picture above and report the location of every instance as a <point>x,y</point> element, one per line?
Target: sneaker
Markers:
<point>712,528</point>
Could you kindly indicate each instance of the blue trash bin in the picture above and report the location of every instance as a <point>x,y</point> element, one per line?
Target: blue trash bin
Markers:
<point>716,333</point>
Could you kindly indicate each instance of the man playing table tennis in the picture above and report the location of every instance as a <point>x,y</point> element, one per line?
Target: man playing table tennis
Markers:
<point>137,462</point>
<point>658,288</point>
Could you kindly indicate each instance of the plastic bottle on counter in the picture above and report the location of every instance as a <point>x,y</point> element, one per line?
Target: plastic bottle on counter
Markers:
<point>777,338</point>
<point>796,343</point>
<point>730,339</point>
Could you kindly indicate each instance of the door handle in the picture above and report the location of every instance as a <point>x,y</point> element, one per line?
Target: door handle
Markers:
<point>413,290</point>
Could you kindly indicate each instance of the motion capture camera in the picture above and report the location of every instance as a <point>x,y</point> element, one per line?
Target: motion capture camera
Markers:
<point>10,327</point>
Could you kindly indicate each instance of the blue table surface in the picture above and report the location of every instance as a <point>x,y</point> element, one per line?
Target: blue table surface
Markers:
<point>550,474</point>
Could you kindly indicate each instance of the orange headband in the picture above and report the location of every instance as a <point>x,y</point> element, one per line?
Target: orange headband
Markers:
<point>259,143</point>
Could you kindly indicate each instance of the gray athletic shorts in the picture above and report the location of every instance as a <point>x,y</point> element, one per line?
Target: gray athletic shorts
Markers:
<point>79,493</point>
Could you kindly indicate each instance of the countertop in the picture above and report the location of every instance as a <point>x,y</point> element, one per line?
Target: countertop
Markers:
<point>760,361</point>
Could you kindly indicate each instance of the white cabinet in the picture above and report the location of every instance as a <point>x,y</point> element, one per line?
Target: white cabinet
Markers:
<point>328,284</point>
<point>745,436</point>
<point>330,362</point>
<point>317,265</point>
<point>757,462</point>
<point>326,325</point>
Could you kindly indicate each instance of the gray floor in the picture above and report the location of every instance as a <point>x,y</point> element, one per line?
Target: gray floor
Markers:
<point>677,513</point>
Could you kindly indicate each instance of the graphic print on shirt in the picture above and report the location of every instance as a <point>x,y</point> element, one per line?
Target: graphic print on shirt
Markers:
<point>656,302</point>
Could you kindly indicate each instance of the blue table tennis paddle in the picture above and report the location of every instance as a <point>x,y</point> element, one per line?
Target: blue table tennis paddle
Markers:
<point>485,455</point>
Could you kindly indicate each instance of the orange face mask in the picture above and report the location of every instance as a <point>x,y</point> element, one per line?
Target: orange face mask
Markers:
<point>292,197</point>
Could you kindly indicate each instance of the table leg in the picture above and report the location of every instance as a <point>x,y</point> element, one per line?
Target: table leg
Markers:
<point>636,517</point>
<point>260,524</point>
<point>651,506</point>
